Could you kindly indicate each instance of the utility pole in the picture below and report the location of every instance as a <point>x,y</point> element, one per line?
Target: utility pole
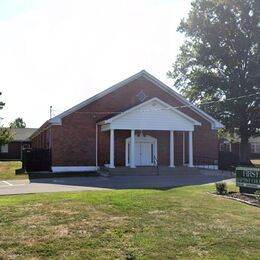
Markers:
<point>50,111</point>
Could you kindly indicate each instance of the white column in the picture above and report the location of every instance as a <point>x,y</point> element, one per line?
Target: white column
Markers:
<point>190,150</point>
<point>132,149</point>
<point>112,164</point>
<point>172,149</point>
<point>183,148</point>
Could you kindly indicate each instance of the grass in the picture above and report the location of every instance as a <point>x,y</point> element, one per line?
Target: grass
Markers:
<point>185,223</point>
<point>7,170</point>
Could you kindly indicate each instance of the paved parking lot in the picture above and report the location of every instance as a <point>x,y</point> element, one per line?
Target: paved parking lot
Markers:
<point>114,182</point>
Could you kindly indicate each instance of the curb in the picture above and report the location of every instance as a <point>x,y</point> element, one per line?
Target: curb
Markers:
<point>236,199</point>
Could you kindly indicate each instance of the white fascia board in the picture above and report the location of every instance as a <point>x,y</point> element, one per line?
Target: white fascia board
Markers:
<point>55,121</point>
<point>218,125</point>
<point>105,127</point>
<point>138,107</point>
<point>102,122</point>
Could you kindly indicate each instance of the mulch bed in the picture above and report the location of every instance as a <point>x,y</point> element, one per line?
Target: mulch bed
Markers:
<point>249,199</point>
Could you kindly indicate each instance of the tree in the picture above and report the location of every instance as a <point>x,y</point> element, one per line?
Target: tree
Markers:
<point>219,63</point>
<point>18,123</point>
<point>6,133</point>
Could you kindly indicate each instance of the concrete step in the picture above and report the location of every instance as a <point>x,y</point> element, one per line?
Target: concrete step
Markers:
<point>127,169</point>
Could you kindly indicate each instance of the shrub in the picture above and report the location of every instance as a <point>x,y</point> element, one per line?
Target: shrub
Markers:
<point>221,188</point>
<point>257,195</point>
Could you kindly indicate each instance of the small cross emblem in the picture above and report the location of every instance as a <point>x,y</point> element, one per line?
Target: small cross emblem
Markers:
<point>141,96</point>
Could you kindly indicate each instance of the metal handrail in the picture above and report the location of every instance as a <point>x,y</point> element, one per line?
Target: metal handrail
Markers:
<point>205,161</point>
<point>204,157</point>
<point>155,161</point>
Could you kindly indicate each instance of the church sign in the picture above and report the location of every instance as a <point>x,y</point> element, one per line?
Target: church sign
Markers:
<point>248,177</point>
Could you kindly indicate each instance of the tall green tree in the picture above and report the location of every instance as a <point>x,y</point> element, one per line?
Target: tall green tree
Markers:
<point>6,133</point>
<point>220,61</point>
<point>18,123</point>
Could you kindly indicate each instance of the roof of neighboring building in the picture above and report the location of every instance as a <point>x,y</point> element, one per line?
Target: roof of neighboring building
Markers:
<point>23,134</point>
<point>254,139</point>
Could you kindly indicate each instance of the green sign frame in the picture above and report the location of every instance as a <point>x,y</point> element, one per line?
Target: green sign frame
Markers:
<point>248,177</point>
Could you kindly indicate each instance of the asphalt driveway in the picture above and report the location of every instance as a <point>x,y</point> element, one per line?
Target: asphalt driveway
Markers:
<point>113,182</point>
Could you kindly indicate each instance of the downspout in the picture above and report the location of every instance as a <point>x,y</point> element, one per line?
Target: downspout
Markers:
<point>21,153</point>
<point>96,147</point>
<point>50,145</point>
<point>183,148</point>
<point>50,140</point>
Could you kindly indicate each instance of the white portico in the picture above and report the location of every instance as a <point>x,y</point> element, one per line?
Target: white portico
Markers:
<point>155,115</point>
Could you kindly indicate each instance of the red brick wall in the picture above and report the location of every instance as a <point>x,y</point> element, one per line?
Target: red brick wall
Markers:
<point>42,140</point>
<point>74,142</point>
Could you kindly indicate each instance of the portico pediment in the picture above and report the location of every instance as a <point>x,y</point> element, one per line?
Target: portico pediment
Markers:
<point>153,114</point>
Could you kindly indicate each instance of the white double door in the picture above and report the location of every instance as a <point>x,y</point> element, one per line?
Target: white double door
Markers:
<point>144,152</point>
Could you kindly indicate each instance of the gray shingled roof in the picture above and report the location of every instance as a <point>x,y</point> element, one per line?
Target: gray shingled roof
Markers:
<point>23,134</point>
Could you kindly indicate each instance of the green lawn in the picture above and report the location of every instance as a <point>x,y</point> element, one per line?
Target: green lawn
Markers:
<point>7,170</point>
<point>184,223</point>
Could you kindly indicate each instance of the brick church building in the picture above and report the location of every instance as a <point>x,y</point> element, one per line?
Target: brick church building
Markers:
<point>134,123</point>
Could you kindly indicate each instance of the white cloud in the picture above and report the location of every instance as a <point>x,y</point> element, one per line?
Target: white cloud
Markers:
<point>66,51</point>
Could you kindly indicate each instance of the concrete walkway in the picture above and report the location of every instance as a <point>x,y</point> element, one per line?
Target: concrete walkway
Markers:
<point>114,182</point>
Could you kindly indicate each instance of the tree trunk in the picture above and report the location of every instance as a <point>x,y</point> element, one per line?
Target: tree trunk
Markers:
<point>244,151</point>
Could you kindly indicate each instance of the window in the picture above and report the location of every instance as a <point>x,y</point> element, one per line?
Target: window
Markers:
<point>255,147</point>
<point>4,148</point>
<point>225,147</point>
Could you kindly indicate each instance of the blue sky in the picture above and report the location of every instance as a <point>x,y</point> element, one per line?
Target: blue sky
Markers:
<point>61,52</point>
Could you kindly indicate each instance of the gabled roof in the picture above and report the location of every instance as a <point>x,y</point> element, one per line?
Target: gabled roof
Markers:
<point>215,124</point>
<point>23,134</point>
